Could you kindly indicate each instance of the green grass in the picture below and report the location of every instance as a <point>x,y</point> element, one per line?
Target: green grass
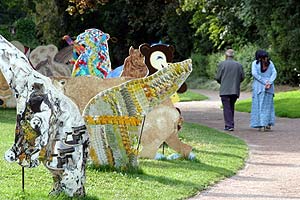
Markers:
<point>287,104</point>
<point>219,155</point>
<point>191,96</point>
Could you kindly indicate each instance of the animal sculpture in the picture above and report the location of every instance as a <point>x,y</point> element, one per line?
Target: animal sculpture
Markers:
<point>134,66</point>
<point>6,95</point>
<point>154,133</point>
<point>115,116</point>
<point>91,54</point>
<point>157,56</point>
<point>166,120</point>
<point>50,129</point>
<point>161,124</point>
<point>7,99</point>
<point>114,110</point>
<point>42,60</point>
<point>49,126</point>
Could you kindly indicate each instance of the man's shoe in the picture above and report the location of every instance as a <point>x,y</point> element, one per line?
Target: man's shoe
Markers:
<point>228,129</point>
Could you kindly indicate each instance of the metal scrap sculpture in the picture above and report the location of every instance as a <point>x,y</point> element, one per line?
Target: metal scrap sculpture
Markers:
<point>49,126</point>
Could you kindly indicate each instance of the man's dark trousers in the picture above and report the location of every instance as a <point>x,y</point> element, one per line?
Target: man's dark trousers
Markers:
<point>228,102</point>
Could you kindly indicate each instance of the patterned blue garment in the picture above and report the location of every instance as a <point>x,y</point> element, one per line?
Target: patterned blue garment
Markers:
<point>262,112</point>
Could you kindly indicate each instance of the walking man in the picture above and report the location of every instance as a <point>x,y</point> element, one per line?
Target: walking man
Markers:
<point>229,75</point>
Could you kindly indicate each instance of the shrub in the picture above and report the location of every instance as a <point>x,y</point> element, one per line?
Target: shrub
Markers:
<point>26,32</point>
<point>205,67</point>
<point>199,77</point>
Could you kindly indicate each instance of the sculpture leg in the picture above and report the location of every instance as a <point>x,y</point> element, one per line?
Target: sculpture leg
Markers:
<point>150,149</point>
<point>70,182</point>
<point>57,188</point>
<point>175,143</point>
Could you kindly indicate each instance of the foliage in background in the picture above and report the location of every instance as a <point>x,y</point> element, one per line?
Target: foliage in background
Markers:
<point>205,67</point>
<point>221,21</point>
<point>14,23</point>
<point>192,26</point>
<point>278,24</point>
<point>286,104</point>
<point>129,23</point>
<point>80,6</point>
<point>189,95</point>
<point>25,32</point>
<point>271,25</point>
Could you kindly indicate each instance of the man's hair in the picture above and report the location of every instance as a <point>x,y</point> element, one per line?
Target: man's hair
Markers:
<point>229,53</point>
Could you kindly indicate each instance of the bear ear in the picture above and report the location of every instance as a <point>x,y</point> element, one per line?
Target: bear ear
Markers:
<point>171,48</point>
<point>183,88</point>
<point>170,53</point>
<point>144,49</point>
<point>131,50</point>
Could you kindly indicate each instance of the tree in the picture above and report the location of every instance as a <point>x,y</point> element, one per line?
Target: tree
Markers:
<point>278,24</point>
<point>220,21</point>
<point>131,23</point>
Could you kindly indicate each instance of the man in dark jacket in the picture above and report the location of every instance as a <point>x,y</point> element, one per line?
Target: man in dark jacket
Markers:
<point>229,75</point>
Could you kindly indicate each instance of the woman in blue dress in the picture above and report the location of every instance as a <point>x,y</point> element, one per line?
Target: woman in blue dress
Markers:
<point>264,75</point>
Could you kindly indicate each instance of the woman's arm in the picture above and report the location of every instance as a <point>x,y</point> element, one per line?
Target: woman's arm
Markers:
<point>254,71</point>
<point>274,73</point>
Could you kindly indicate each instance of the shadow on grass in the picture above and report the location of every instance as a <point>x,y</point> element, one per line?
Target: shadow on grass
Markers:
<point>182,166</point>
<point>26,196</point>
<point>218,154</point>
<point>8,115</point>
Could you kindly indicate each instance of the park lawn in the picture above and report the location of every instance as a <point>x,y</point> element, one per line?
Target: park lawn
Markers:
<point>286,104</point>
<point>191,96</point>
<point>218,155</point>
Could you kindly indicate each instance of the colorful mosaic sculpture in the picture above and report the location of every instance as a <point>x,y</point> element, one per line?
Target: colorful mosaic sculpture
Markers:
<point>114,117</point>
<point>91,53</point>
<point>49,127</point>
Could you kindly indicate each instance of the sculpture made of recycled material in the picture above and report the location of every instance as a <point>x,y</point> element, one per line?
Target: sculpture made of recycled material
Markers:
<point>161,124</point>
<point>157,56</point>
<point>166,120</point>
<point>91,53</point>
<point>49,127</point>
<point>114,117</point>
<point>42,60</point>
<point>7,98</point>
<point>134,66</point>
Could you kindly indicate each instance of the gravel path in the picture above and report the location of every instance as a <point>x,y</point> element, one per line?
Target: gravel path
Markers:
<point>272,170</point>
